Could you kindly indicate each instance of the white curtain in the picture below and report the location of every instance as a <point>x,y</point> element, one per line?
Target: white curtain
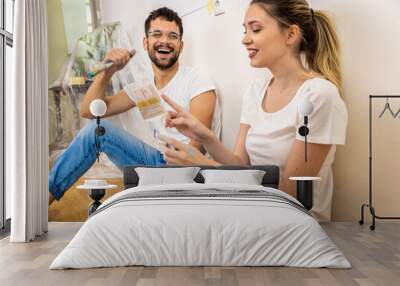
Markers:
<point>26,119</point>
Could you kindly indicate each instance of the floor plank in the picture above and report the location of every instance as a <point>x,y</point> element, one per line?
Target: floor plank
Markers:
<point>73,207</point>
<point>375,257</point>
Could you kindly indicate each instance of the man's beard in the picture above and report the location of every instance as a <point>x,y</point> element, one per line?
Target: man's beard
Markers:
<point>163,66</point>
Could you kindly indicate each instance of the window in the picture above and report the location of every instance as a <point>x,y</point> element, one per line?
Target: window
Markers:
<point>89,15</point>
<point>9,15</point>
<point>79,18</point>
<point>6,63</point>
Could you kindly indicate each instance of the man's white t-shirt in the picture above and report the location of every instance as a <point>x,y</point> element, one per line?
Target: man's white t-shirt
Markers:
<point>187,83</point>
<point>271,135</point>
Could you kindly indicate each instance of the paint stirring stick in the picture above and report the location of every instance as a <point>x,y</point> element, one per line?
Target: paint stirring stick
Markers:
<point>103,66</point>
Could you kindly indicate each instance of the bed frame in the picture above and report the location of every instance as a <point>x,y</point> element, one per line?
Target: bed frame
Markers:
<point>270,179</point>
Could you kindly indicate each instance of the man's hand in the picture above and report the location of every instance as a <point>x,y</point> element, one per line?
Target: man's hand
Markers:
<point>178,153</point>
<point>120,58</point>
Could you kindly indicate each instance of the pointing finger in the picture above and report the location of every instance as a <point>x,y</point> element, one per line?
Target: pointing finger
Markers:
<point>172,103</point>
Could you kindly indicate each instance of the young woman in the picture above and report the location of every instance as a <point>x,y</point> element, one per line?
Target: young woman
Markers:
<point>300,48</point>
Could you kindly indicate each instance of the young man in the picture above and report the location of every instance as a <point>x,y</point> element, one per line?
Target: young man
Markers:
<point>187,86</point>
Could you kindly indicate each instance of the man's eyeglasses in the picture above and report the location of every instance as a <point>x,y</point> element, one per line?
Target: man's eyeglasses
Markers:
<point>157,34</point>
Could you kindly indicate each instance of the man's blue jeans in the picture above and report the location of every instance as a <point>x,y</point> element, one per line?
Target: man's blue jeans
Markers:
<point>121,147</point>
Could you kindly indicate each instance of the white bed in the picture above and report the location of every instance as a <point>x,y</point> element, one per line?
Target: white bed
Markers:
<point>249,226</point>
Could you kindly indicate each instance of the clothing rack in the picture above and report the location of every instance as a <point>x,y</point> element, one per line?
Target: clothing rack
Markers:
<point>370,205</point>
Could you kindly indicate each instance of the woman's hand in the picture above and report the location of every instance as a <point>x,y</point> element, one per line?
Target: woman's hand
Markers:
<point>186,123</point>
<point>178,153</point>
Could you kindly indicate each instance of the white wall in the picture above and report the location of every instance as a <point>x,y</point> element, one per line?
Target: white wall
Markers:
<point>369,31</point>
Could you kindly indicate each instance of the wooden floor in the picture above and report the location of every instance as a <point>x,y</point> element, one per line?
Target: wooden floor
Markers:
<point>74,204</point>
<point>375,257</point>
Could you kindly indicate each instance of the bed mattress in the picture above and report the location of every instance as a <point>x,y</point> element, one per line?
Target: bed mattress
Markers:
<point>201,225</point>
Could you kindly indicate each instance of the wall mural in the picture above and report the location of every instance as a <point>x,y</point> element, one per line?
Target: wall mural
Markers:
<point>86,47</point>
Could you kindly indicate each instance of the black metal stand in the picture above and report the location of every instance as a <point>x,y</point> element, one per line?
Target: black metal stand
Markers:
<point>305,193</point>
<point>304,190</point>
<point>369,205</point>
<point>100,131</point>
<point>96,195</point>
<point>303,131</point>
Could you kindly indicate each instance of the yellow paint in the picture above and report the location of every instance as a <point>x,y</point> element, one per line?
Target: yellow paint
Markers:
<point>148,102</point>
<point>76,80</point>
<point>210,6</point>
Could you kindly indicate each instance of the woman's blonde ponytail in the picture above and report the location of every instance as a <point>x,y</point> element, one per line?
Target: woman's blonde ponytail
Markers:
<point>323,56</point>
<point>320,43</point>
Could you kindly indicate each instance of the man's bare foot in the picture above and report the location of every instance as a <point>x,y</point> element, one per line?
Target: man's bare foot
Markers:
<point>51,198</point>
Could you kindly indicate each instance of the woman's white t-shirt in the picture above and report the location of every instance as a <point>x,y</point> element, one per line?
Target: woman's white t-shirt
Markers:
<point>271,135</point>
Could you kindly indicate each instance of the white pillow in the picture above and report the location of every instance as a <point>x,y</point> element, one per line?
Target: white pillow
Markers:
<point>166,176</point>
<point>248,177</point>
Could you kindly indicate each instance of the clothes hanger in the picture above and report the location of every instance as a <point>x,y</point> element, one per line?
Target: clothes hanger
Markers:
<point>397,113</point>
<point>387,107</point>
